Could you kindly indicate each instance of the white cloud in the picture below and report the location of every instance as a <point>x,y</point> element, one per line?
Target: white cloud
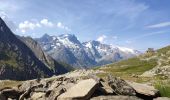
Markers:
<point>27,25</point>
<point>31,25</point>
<point>163,24</point>
<point>47,23</point>
<point>101,38</point>
<point>60,25</point>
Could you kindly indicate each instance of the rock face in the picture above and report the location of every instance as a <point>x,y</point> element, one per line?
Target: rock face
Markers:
<point>82,91</point>
<point>78,87</point>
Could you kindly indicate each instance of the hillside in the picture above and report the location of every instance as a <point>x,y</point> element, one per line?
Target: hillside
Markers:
<point>153,67</point>
<point>18,61</point>
<point>147,62</point>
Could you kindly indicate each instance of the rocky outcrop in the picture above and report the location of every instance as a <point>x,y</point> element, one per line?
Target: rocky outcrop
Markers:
<point>72,86</point>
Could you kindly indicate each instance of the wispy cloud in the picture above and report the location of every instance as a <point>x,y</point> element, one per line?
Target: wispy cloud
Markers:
<point>143,36</point>
<point>163,24</point>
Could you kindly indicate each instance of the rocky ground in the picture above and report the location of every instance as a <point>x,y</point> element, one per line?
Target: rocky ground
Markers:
<point>80,85</point>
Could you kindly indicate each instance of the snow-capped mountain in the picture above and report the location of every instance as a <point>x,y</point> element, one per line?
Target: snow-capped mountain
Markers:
<point>67,48</point>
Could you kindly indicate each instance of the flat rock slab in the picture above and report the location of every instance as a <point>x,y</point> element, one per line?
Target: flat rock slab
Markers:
<point>162,98</point>
<point>81,91</point>
<point>115,98</point>
<point>144,89</point>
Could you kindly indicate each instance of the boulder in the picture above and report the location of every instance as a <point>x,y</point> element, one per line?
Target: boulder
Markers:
<point>10,93</point>
<point>162,98</point>
<point>115,98</point>
<point>120,86</point>
<point>37,96</point>
<point>81,91</point>
<point>2,97</point>
<point>144,89</point>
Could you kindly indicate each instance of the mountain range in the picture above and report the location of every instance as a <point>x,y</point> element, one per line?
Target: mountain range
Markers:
<point>21,58</point>
<point>67,48</point>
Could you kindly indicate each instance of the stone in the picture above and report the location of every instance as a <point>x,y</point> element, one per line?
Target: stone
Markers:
<point>120,87</point>
<point>161,98</point>
<point>105,88</point>
<point>144,89</point>
<point>115,98</point>
<point>2,97</point>
<point>81,91</point>
<point>53,95</point>
<point>38,96</point>
<point>11,93</point>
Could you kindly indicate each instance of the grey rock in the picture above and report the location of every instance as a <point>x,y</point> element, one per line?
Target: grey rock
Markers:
<point>81,91</point>
<point>115,98</point>
<point>120,86</point>
<point>144,89</point>
<point>161,98</point>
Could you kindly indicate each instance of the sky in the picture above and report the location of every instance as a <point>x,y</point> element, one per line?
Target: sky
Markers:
<point>136,24</point>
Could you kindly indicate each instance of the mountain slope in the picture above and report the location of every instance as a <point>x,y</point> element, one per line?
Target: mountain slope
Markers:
<point>56,67</point>
<point>69,49</point>
<point>150,64</point>
<point>17,60</point>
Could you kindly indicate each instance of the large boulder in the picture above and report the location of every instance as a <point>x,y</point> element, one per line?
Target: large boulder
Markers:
<point>144,89</point>
<point>115,98</point>
<point>162,98</point>
<point>81,91</point>
<point>120,87</point>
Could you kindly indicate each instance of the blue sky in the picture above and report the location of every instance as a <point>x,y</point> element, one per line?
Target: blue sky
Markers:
<point>137,24</point>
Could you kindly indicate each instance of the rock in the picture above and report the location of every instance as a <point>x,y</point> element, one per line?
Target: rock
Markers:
<point>105,88</point>
<point>115,98</point>
<point>38,96</point>
<point>81,91</point>
<point>162,98</point>
<point>120,86</point>
<point>144,89</point>
<point>2,97</point>
<point>11,93</point>
<point>53,95</point>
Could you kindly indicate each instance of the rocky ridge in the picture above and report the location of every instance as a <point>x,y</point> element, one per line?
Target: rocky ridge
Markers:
<point>84,86</point>
<point>67,48</point>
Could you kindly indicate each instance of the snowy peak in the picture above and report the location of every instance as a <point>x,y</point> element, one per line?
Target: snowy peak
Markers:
<point>89,53</point>
<point>69,40</point>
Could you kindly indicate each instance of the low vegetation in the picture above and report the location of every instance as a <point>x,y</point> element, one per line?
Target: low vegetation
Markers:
<point>132,68</point>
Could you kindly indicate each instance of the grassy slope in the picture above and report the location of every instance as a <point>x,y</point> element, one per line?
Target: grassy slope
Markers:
<point>126,69</point>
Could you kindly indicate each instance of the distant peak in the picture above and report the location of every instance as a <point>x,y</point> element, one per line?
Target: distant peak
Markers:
<point>45,35</point>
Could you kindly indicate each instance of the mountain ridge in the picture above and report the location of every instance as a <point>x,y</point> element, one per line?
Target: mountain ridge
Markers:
<point>88,54</point>
<point>17,60</point>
